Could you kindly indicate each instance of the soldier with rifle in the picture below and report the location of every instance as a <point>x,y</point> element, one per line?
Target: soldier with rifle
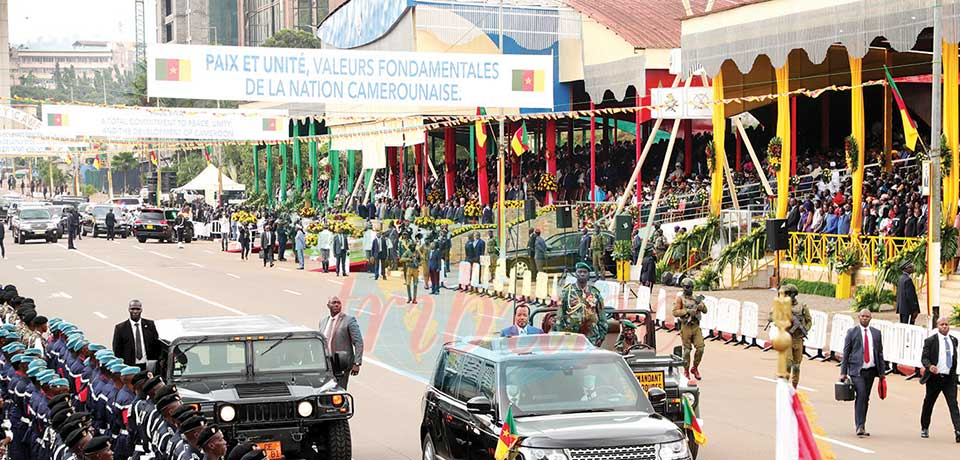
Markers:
<point>800,323</point>
<point>689,310</point>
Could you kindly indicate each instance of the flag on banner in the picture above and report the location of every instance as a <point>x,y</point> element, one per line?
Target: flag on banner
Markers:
<point>508,437</point>
<point>96,162</point>
<point>910,135</point>
<point>691,423</point>
<point>794,436</point>
<point>57,119</point>
<point>69,159</point>
<point>173,70</point>
<point>153,158</point>
<point>528,80</point>
<point>206,154</point>
<point>272,124</point>
<point>481,129</point>
<point>520,143</point>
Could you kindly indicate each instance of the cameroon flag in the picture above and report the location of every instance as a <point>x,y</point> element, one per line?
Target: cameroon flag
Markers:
<point>480,129</point>
<point>153,157</point>
<point>96,162</point>
<point>520,143</point>
<point>910,135</point>
<point>690,422</point>
<point>172,70</point>
<point>508,437</point>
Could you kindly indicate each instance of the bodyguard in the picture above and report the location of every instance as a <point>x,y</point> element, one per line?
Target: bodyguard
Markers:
<point>939,359</point>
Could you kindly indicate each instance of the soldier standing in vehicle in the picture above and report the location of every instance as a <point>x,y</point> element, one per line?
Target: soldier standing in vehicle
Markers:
<point>627,338</point>
<point>688,310</point>
<point>598,244</point>
<point>581,308</point>
<point>800,323</point>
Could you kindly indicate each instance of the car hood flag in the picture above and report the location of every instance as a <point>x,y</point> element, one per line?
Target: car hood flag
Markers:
<point>794,437</point>
<point>96,162</point>
<point>481,131</point>
<point>520,143</point>
<point>910,135</point>
<point>508,437</point>
<point>691,423</point>
<point>153,157</point>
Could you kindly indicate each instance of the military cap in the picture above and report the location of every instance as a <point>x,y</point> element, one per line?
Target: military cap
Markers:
<point>192,423</point>
<point>27,300</point>
<point>79,343</point>
<point>47,377</point>
<point>255,455</point>
<point>33,371</point>
<point>78,417</point>
<point>33,351</point>
<point>116,367</point>
<point>72,340</point>
<point>57,419</point>
<point>58,398</point>
<point>582,265</point>
<point>141,376</point>
<point>151,383</point>
<point>73,437</point>
<point>182,413</point>
<point>103,353</point>
<point>8,327</point>
<point>687,282</point>
<point>97,445</point>
<point>207,434</point>
<point>3,333</point>
<point>29,316</point>
<point>129,370</point>
<point>165,391</point>
<point>240,450</point>
<point>59,382</point>
<point>68,328</point>
<point>790,288</point>
<point>16,358</point>
<point>95,347</point>
<point>12,347</point>
<point>55,322</point>
<point>627,324</point>
<point>13,335</point>
<point>167,400</point>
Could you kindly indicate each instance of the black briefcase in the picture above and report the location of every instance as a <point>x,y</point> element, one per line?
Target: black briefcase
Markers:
<point>843,390</point>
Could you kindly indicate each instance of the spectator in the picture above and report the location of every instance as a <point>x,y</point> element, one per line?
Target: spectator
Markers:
<point>325,243</point>
<point>908,307</point>
<point>299,245</point>
<point>433,265</point>
<point>267,242</point>
<point>584,251</point>
<point>540,252</point>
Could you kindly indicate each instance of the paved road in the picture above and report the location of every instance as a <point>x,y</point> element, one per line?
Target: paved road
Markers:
<point>91,287</point>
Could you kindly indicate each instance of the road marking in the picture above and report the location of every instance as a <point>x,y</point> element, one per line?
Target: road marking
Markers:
<point>283,269</point>
<point>159,283</point>
<point>395,370</point>
<point>19,267</point>
<point>196,265</point>
<point>801,387</point>
<point>100,315</point>
<point>233,276</point>
<point>138,247</point>
<point>60,294</point>
<point>822,438</point>
<point>39,280</point>
<point>160,254</point>
<point>335,282</point>
<point>208,251</point>
<point>291,292</point>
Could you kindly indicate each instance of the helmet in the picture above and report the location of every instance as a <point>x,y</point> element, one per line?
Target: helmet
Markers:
<point>687,283</point>
<point>790,290</point>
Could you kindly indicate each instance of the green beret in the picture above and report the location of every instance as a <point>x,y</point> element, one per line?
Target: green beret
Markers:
<point>627,324</point>
<point>582,265</point>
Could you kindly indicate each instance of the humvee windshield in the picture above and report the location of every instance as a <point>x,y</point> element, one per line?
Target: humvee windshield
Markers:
<point>300,354</point>
<point>230,358</point>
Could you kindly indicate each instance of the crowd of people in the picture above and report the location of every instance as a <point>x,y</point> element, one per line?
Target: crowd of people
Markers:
<point>67,398</point>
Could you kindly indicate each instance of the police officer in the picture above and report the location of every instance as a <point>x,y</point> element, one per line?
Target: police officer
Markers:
<point>123,380</point>
<point>73,227</point>
<point>689,310</point>
<point>799,327</point>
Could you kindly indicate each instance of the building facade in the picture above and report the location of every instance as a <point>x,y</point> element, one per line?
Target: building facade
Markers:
<point>260,19</point>
<point>88,58</point>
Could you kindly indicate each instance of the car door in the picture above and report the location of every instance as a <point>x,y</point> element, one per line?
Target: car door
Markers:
<point>447,445</point>
<point>462,426</point>
<point>486,427</point>
<point>432,414</point>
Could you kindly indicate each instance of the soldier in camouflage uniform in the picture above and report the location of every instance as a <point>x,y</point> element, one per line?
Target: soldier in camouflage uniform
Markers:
<point>688,310</point>
<point>799,327</point>
<point>598,245</point>
<point>627,338</point>
<point>581,308</point>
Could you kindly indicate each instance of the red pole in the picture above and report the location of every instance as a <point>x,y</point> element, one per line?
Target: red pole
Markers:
<point>551,133</point>
<point>639,140</point>
<point>392,168</point>
<point>687,147</point>
<point>450,160</point>
<point>593,152</point>
<point>793,135</point>
<point>736,132</point>
<point>482,182</point>
<point>419,166</point>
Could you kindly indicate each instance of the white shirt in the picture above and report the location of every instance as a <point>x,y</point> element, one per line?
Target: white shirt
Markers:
<point>868,347</point>
<point>521,330</point>
<point>943,367</point>
<point>143,349</point>
<point>325,239</point>
<point>328,331</point>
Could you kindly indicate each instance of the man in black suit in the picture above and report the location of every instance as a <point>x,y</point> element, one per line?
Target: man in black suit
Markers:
<point>378,251</point>
<point>73,228</point>
<point>863,362</point>
<point>111,221</point>
<point>136,340</point>
<point>939,358</point>
<point>907,304</point>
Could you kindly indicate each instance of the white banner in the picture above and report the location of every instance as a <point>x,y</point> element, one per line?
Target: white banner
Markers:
<point>349,76</point>
<point>27,120</point>
<point>682,103</point>
<point>25,142</point>
<point>148,123</point>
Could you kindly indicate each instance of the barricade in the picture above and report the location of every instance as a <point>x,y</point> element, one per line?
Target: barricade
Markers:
<point>463,276</point>
<point>511,283</point>
<point>884,327</point>
<point>475,276</point>
<point>643,298</point>
<point>906,347</point>
<point>201,230</point>
<point>526,289</point>
<point>817,335</point>
<point>556,288</point>
<point>542,288</point>
<point>728,319</point>
<point>661,309</point>
<point>749,324</point>
<point>216,230</point>
<point>499,277</point>
<point>838,333</point>
<point>609,292</point>
<point>708,321</point>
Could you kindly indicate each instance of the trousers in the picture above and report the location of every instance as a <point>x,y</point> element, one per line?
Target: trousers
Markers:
<point>598,264</point>
<point>692,337</point>
<point>937,384</point>
<point>863,384</point>
<point>794,358</point>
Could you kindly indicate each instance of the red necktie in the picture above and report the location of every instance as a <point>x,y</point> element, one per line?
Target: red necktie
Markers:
<point>866,346</point>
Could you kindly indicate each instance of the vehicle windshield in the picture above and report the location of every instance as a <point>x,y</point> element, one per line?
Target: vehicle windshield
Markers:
<point>126,201</point>
<point>213,358</point>
<point>571,385</point>
<point>292,354</point>
<point>34,214</point>
<point>151,215</point>
<point>101,212</point>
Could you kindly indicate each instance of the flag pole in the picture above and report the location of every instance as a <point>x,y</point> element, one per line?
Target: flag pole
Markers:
<point>501,218</point>
<point>933,231</point>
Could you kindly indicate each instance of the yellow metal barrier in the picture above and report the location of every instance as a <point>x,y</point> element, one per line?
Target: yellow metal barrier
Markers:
<point>815,249</point>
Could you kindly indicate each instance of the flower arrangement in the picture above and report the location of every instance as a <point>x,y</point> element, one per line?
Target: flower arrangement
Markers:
<point>622,251</point>
<point>673,201</point>
<point>774,150</point>
<point>346,228</point>
<point>702,195</point>
<point>435,196</point>
<point>425,222</point>
<point>920,157</point>
<point>846,260</point>
<point>872,297</point>
<point>546,210</point>
<point>315,227</point>
<point>708,279</point>
<point>509,204</point>
<point>442,222</point>
<point>473,208</point>
<point>795,181</point>
<point>547,183</point>
<point>243,217</point>
<point>852,150</point>
<point>711,157</point>
<point>469,228</point>
<point>326,171</point>
<point>826,175</point>
<point>307,211</point>
<point>312,240</point>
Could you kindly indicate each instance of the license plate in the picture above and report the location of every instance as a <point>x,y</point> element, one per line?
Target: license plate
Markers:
<point>149,227</point>
<point>272,449</point>
<point>651,379</point>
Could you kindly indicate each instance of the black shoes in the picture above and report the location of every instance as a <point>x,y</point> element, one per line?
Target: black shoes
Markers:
<point>924,433</point>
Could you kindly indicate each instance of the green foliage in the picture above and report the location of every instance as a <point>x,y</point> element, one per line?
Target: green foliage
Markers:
<point>292,38</point>
<point>708,279</point>
<point>701,238</point>
<point>741,252</point>
<point>889,270</point>
<point>872,297</point>
<point>621,251</point>
<point>813,287</point>
<point>955,317</point>
<point>88,190</point>
<point>846,260</point>
<point>69,86</point>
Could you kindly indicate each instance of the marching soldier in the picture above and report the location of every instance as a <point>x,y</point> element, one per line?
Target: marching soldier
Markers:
<point>598,245</point>
<point>689,310</point>
<point>799,328</point>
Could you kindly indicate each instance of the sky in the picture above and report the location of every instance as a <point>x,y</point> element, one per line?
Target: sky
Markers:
<point>61,22</point>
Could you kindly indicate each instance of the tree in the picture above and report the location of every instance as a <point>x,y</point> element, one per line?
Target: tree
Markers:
<point>292,38</point>
<point>122,163</point>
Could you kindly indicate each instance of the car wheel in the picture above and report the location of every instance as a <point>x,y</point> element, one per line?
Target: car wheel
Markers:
<point>95,233</point>
<point>123,235</point>
<point>142,239</point>
<point>339,446</point>
<point>522,265</point>
<point>83,233</point>
<point>429,452</point>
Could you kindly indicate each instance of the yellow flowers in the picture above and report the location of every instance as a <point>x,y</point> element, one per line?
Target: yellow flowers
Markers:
<point>312,240</point>
<point>473,209</point>
<point>307,211</point>
<point>424,222</point>
<point>315,227</point>
<point>243,217</point>
<point>547,183</point>
<point>344,227</point>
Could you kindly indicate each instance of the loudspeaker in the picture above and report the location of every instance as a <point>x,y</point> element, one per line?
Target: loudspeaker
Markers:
<point>624,231</point>
<point>777,237</point>
<point>564,216</point>
<point>529,209</point>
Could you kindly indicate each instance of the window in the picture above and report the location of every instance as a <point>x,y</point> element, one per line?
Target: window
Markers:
<point>167,7</point>
<point>469,386</point>
<point>488,380</point>
<point>210,358</point>
<point>168,33</point>
<point>289,355</point>
<point>451,373</point>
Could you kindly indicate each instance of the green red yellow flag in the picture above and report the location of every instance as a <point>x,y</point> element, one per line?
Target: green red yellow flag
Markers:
<point>97,162</point>
<point>206,154</point>
<point>480,128</point>
<point>153,157</point>
<point>910,135</point>
<point>57,119</point>
<point>690,422</point>
<point>520,143</point>
<point>508,437</point>
<point>528,80</point>
<point>173,70</point>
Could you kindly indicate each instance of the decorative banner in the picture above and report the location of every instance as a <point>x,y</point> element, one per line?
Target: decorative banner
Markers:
<point>19,116</point>
<point>147,123</point>
<point>20,142</point>
<point>694,103</point>
<point>349,76</point>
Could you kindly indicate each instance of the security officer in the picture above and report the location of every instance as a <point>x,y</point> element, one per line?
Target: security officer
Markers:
<point>627,338</point>
<point>598,245</point>
<point>799,327</point>
<point>689,310</point>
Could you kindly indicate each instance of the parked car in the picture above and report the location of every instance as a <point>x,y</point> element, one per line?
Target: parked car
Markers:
<point>188,231</point>
<point>34,223</point>
<point>563,251</point>
<point>95,221</point>
<point>152,224</point>
<point>262,379</point>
